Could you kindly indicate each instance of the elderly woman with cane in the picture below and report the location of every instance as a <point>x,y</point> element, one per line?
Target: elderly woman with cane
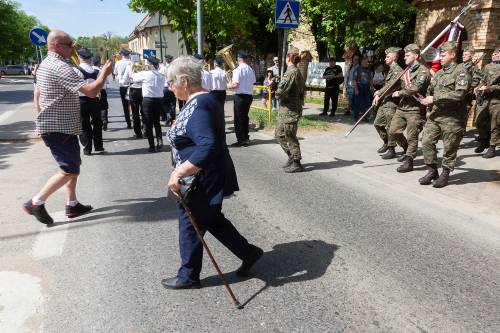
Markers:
<point>201,158</point>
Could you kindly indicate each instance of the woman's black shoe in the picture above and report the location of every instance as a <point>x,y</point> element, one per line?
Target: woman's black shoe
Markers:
<point>176,283</point>
<point>152,149</point>
<point>38,211</point>
<point>79,209</point>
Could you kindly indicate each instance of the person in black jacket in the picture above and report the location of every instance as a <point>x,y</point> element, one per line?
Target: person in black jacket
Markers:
<point>334,78</point>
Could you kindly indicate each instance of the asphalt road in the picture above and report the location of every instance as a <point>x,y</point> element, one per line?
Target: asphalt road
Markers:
<point>342,253</point>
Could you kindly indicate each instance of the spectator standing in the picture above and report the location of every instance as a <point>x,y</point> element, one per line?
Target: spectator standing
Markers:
<point>272,82</point>
<point>350,87</point>
<point>334,78</point>
<point>361,83</point>
<point>58,122</point>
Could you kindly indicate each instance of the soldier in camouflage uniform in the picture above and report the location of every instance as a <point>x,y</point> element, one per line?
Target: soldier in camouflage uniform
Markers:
<point>488,117</point>
<point>408,115</point>
<point>475,75</point>
<point>389,104</point>
<point>290,94</point>
<point>446,93</point>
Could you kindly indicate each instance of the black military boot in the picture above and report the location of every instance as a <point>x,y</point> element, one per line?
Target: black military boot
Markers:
<point>490,153</point>
<point>482,146</point>
<point>288,163</point>
<point>383,149</point>
<point>407,165</point>
<point>390,153</point>
<point>442,181</point>
<point>432,174</point>
<point>402,158</point>
<point>295,167</point>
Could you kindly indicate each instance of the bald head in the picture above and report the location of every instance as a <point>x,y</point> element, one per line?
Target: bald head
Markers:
<point>59,42</point>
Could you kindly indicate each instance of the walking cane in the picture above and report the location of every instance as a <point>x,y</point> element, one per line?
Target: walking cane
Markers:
<point>205,246</point>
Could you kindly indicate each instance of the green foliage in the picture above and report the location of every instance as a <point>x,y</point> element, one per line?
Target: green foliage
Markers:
<point>14,29</point>
<point>261,120</point>
<point>99,44</point>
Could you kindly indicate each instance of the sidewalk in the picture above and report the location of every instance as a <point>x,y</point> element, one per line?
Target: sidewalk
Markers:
<point>473,190</point>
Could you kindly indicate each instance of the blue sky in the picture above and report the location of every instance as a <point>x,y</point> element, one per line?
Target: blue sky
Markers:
<point>71,16</point>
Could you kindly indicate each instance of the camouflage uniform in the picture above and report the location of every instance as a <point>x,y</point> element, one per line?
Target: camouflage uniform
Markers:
<point>388,105</point>
<point>475,78</point>
<point>449,87</point>
<point>409,112</point>
<point>291,95</point>
<point>488,117</point>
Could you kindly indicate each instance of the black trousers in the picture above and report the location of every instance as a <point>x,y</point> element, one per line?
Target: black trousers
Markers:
<point>104,106</point>
<point>221,95</point>
<point>123,93</point>
<point>151,108</point>
<point>90,109</point>
<point>331,94</point>
<point>168,104</point>
<point>242,104</point>
<point>135,96</point>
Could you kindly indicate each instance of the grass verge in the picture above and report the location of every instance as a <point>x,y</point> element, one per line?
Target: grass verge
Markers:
<point>261,120</point>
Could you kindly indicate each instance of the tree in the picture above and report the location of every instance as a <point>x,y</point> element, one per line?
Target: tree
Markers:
<point>103,45</point>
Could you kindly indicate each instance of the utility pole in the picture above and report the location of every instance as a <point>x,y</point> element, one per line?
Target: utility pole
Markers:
<point>199,15</point>
<point>161,41</point>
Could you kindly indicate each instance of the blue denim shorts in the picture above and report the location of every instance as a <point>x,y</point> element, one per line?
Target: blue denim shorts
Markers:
<point>65,149</point>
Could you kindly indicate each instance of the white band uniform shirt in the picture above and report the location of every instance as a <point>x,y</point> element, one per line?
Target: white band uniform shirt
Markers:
<point>59,104</point>
<point>120,71</point>
<point>218,79</point>
<point>163,70</point>
<point>152,83</point>
<point>129,75</point>
<point>87,68</point>
<point>245,77</point>
<point>206,80</point>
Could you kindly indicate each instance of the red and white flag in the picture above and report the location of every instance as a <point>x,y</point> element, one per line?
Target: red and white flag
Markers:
<point>431,56</point>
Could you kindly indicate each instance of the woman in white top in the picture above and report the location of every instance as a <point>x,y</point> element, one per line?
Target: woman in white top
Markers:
<point>152,94</point>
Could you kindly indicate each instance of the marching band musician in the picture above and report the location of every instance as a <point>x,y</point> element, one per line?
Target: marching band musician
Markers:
<point>168,102</point>
<point>90,107</point>
<point>123,81</point>
<point>96,61</point>
<point>219,83</point>
<point>135,101</point>
<point>152,95</point>
<point>206,78</point>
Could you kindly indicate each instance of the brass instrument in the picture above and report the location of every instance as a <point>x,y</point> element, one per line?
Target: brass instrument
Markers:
<point>74,56</point>
<point>226,54</point>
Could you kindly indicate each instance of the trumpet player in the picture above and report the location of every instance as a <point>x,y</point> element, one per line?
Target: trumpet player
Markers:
<point>135,100</point>
<point>219,83</point>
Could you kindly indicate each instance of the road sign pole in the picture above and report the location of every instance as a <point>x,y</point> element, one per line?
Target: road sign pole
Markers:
<point>199,16</point>
<point>37,54</point>
<point>283,53</point>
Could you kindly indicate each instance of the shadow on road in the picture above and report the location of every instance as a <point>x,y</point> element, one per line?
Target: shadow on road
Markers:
<point>286,263</point>
<point>11,148</point>
<point>337,163</point>
<point>471,176</point>
<point>16,96</point>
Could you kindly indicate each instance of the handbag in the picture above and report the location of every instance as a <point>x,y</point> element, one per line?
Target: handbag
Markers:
<point>189,184</point>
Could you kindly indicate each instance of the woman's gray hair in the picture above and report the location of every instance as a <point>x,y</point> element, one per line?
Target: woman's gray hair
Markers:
<point>186,66</point>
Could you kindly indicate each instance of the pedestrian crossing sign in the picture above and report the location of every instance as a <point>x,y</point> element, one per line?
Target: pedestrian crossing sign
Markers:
<point>287,14</point>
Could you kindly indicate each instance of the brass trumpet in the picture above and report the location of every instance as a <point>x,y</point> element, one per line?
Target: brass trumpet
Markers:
<point>74,56</point>
<point>226,54</point>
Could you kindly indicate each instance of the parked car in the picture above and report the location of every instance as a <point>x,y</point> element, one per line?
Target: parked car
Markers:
<point>12,70</point>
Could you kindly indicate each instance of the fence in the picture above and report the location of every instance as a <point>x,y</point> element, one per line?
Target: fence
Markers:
<point>269,107</point>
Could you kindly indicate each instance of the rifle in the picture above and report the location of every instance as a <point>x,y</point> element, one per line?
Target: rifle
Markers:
<point>382,96</point>
<point>480,94</point>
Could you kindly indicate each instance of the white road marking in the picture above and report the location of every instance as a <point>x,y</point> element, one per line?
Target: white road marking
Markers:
<point>50,241</point>
<point>6,115</point>
<point>20,298</point>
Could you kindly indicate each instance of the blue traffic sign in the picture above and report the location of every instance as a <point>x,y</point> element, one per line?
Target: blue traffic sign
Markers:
<point>147,53</point>
<point>38,36</point>
<point>287,14</point>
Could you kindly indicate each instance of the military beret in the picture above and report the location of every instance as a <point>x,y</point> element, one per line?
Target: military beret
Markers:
<point>412,48</point>
<point>469,49</point>
<point>168,57</point>
<point>84,53</point>
<point>124,52</point>
<point>293,50</point>
<point>153,60</point>
<point>393,50</point>
<point>448,46</point>
<point>242,54</point>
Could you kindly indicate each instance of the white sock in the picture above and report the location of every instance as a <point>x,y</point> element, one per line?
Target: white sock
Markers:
<point>35,201</point>
<point>72,203</point>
